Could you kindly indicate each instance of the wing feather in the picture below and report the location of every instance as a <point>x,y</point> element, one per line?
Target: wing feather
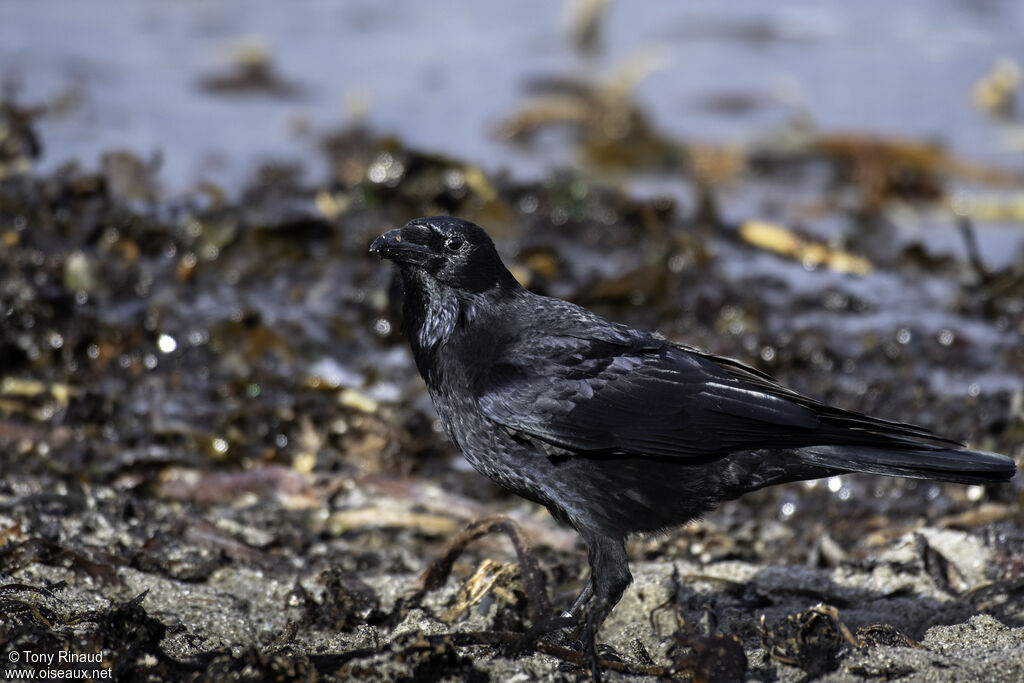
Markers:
<point>646,396</point>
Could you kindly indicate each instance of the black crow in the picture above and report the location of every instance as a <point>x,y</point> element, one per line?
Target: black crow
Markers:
<point>617,430</point>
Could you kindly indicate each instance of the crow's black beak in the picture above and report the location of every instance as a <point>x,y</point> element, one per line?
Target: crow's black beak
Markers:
<point>396,245</point>
<point>379,245</point>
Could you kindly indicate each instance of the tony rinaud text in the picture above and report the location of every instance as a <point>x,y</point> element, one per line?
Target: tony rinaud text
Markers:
<point>61,657</point>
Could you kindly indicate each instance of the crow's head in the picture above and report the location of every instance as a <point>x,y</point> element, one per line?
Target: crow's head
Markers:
<point>453,252</point>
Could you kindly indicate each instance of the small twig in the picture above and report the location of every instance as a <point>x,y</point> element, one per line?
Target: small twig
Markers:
<point>669,603</point>
<point>973,251</point>
<point>533,579</point>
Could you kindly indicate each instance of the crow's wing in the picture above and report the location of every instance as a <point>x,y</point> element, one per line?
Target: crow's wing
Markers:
<point>654,398</point>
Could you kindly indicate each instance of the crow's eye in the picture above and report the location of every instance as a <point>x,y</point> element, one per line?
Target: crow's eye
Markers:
<point>453,243</point>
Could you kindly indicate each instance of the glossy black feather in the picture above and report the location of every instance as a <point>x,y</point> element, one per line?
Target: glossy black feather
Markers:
<point>614,429</point>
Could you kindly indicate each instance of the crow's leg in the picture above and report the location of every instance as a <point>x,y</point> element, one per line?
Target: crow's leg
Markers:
<point>566,621</point>
<point>581,600</point>
<point>609,577</point>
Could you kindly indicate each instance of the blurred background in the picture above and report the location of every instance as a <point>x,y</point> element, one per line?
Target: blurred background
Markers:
<point>204,385</point>
<point>212,87</point>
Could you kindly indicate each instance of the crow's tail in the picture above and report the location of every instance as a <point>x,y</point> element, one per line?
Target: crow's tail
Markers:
<point>939,464</point>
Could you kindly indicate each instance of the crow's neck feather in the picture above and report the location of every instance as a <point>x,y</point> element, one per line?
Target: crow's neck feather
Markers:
<point>432,311</point>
